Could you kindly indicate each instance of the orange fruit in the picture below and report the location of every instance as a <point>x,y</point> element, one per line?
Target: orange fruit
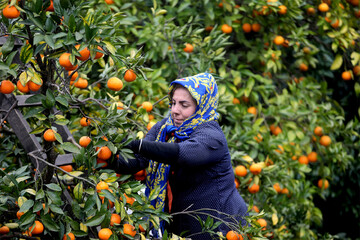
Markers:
<point>67,168</point>
<point>11,12</point>
<point>236,101</point>
<point>64,61</point>
<point>51,7</point>
<point>277,131</point>
<point>147,106</point>
<point>255,168</point>
<point>240,171</point>
<point>129,200</point>
<point>109,2</point>
<point>39,228</point>
<point>255,27</point>
<point>84,141</point>
<point>7,87</point>
<point>306,50</point>
<point>102,185</point>
<point>232,235</point>
<point>70,235</point>
<point>323,7</point>
<point>252,110</point>
<point>318,131</point>
<point>4,230</point>
<point>310,11</point>
<point>99,54</point>
<point>262,223</point>
<point>84,122</point>
<point>81,83</point>
<point>129,229</point>
<point>325,140</point>
<point>21,88</point>
<point>49,135</point>
<point>188,48</point>
<point>285,191</point>
<point>258,138</point>
<point>115,219</point>
<point>356,70</point>
<point>335,24</point>
<point>141,228</point>
<point>115,84</point>
<point>280,149</point>
<point>104,153</point>
<point>255,209</point>
<point>19,214</point>
<point>34,87</point>
<point>277,187</point>
<point>254,188</point>
<point>278,40</point>
<point>237,183</point>
<point>104,233</point>
<point>282,9</point>
<point>312,157</point>
<point>325,183</point>
<point>303,67</point>
<point>346,76</point>
<point>74,76</point>
<point>101,162</point>
<point>225,28</point>
<point>303,159</point>
<point>140,175</point>
<point>246,27</point>
<point>129,75</point>
<point>209,28</point>
<point>85,53</point>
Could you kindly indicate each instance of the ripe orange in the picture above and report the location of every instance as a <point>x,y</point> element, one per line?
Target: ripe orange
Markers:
<point>277,187</point>
<point>129,229</point>
<point>303,159</point>
<point>70,235</point>
<point>237,183</point>
<point>51,7</point>
<point>129,200</point>
<point>147,106</point>
<point>285,191</point>
<point>246,27</point>
<point>226,28</point>
<point>255,209</point>
<point>306,50</point>
<point>318,131</point>
<point>240,171</point>
<point>74,76</point>
<point>84,122</point>
<point>232,235</point>
<point>356,69</point>
<point>109,2</point>
<point>34,87</point>
<point>7,87</point>
<point>21,88</point>
<point>282,9</point>
<point>49,135</point>
<point>258,138</point>
<point>85,53</point>
<point>310,11</point>
<point>346,76</point>
<point>303,67</point>
<point>130,75</point>
<point>99,54</point>
<point>209,28</point>
<point>236,101</point>
<point>115,84</point>
<point>312,157</point>
<point>105,233</point>
<point>188,48</point>
<point>325,140</point>
<point>278,40</point>
<point>102,185</point>
<point>254,188</point>
<point>321,182</point>
<point>141,228</point>
<point>323,7</point>
<point>277,131</point>
<point>11,12</point>
<point>4,230</point>
<point>262,223</point>
<point>19,214</point>
<point>64,61</point>
<point>115,219</point>
<point>67,168</point>
<point>335,24</point>
<point>255,27</point>
<point>104,153</point>
<point>39,228</point>
<point>81,83</point>
<point>84,141</point>
<point>252,110</point>
<point>255,168</point>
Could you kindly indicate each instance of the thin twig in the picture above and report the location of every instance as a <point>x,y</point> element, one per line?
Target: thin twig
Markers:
<point>58,168</point>
<point>8,112</point>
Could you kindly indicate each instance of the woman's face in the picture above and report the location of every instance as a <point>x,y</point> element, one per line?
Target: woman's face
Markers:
<point>183,106</point>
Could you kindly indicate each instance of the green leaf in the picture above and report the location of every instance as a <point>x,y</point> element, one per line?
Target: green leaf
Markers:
<point>56,209</point>
<point>37,130</point>
<point>27,205</point>
<point>54,187</point>
<point>95,221</point>
<point>78,191</point>
<point>37,98</point>
<point>26,53</point>
<point>72,23</point>
<point>110,47</point>
<point>27,219</point>
<point>40,194</point>
<point>58,137</point>
<point>337,62</point>
<point>62,100</point>
<point>355,57</point>
<point>70,147</point>
<point>8,45</point>
<point>49,40</point>
<point>50,223</point>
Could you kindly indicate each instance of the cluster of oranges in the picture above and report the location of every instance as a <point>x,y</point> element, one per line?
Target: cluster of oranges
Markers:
<point>8,87</point>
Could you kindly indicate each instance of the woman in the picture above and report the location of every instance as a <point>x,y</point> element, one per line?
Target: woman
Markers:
<point>187,157</point>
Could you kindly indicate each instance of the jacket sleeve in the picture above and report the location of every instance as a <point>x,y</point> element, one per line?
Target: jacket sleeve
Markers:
<point>130,166</point>
<point>206,145</point>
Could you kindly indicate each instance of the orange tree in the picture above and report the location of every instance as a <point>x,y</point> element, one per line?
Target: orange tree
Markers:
<point>275,61</point>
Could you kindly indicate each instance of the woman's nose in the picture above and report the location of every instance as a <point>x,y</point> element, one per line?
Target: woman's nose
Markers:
<point>175,108</point>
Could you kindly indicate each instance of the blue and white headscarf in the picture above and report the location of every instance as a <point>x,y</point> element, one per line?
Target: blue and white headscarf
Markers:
<point>203,89</point>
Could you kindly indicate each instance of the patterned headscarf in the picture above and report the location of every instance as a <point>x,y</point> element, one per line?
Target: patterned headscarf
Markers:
<point>203,89</point>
